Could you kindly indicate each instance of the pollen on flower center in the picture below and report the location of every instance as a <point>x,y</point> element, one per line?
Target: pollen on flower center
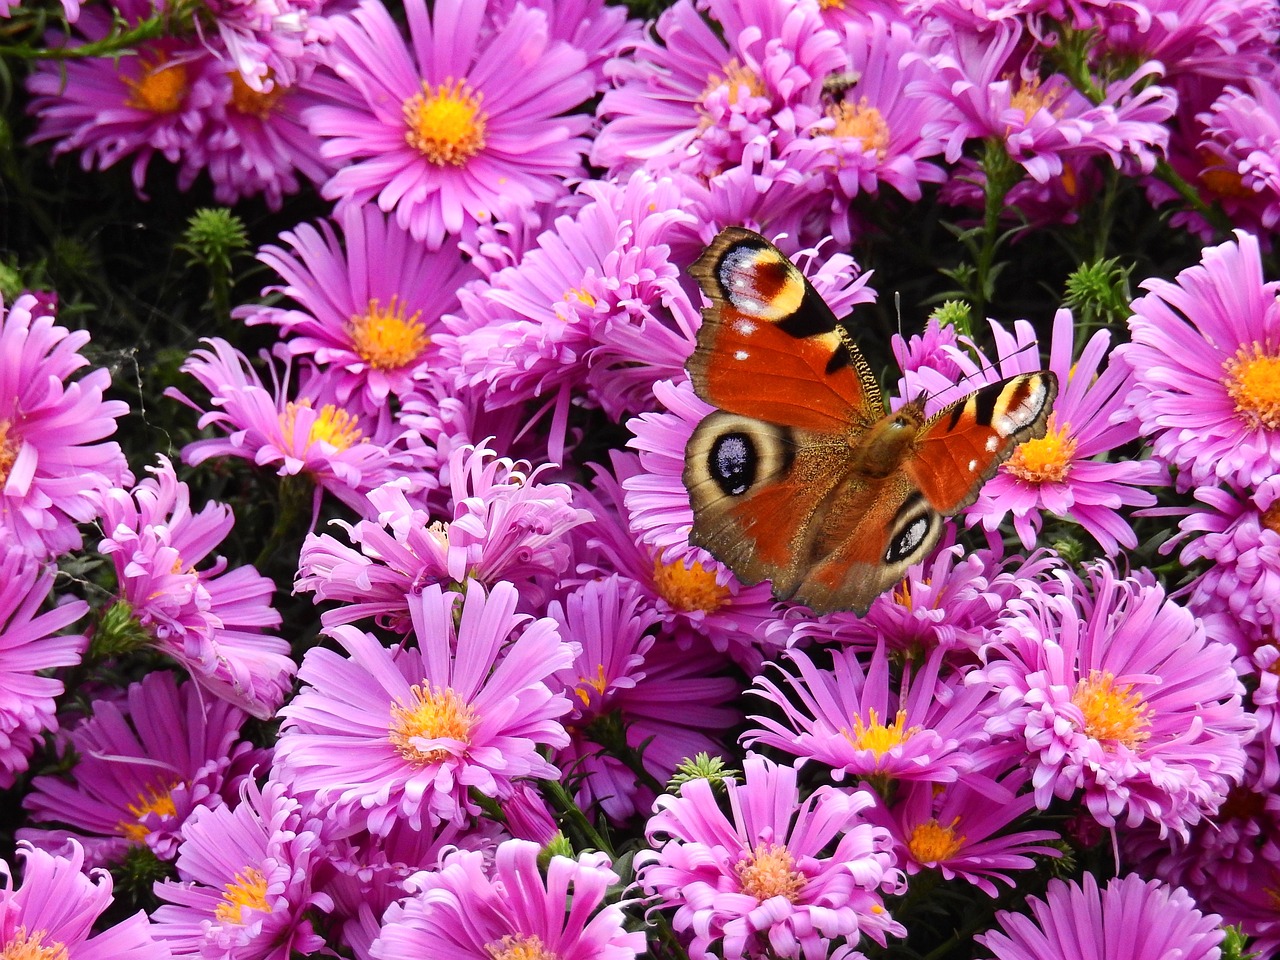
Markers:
<point>862,122</point>
<point>251,102</point>
<point>1046,459</point>
<point>688,588</point>
<point>1112,714</point>
<point>447,124</point>
<point>157,800</point>
<point>29,946</point>
<point>736,79</point>
<point>1253,383</point>
<point>1031,99</point>
<point>161,87</point>
<point>431,715</point>
<point>248,889</point>
<point>770,872</point>
<point>8,451</point>
<point>385,338</point>
<point>1220,180</point>
<point>1270,516</point>
<point>519,947</point>
<point>931,842</point>
<point>877,737</point>
<point>332,425</point>
<point>599,683</point>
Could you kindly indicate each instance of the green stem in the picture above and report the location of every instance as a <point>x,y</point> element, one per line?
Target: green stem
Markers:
<point>295,496</point>
<point>1000,176</point>
<point>1164,171</point>
<point>119,41</point>
<point>555,792</point>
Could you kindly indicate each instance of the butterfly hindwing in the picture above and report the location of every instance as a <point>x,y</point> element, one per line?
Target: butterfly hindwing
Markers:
<point>769,347</point>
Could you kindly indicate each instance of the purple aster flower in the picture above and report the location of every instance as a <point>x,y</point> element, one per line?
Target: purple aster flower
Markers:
<point>504,525</point>
<point>598,29</point>
<point>760,881</point>
<point>1132,918</point>
<point>28,648</point>
<point>368,304</point>
<point>209,620</point>
<point>53,458</point>
<point>849,719</point>
<point>1117,692</point>
<point>267,43</point>
<point>314,433</point>
<point>1241,148</point>
<point>245,881</point>
<point>143,766</point>
<point>110,108</point>
<point>1256,909</point>
<point>632,691</point>
<point>52,913</point>
<point>466,120</point>
<point>511,913</point>
<point>703,97</point>
<point>957,830</point>
<point>1205,355</point>
<point>382,735</point>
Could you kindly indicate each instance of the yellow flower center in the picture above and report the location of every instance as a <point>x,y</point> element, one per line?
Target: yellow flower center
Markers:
<point>157,800</point>
<point>932,843</point>
<point>1112,714</point>
<point>248,889</point>
<point>335,427</point>
<point>446,125</point>
<point>1253,383</point>
<point>770,872</point>
<point>877,737</point>
<point>581,295</point>
<point>160,88</point>
<point>831,4</point>
<point>251,102</point>
<point>737,79</point>
<point>598,683</point>
<point>431,715</point>
<point>519,947</point>
<point>1031,99</point>
<point>862,122</point>
<point>8,451</point>
<point>688,588</point>
<point>1047,459</point>
<point>28,946</point>
<point>387,339</point>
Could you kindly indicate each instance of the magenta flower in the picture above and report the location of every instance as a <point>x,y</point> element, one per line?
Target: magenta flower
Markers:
<point>510,913</point>
<point>314,433</point>
<point>383,735</point>
<point>1116,692</point>
<point>847,718</point>
<point>1256,909</point>
<point>598,29</point>
<point>466,120</point>
<point>761,882</point>
<point>267,43</point>
<point>1242,147</point>
<point>53,458</point>
<point>245,881</point>
<point>209,620</point>
<point>144,766</point>
<point>29,648</point>
<point>368,304</point>
<point>1205,355</point>
<point>58,905</point>
<point>1132,918</point>
<point>505,525</point>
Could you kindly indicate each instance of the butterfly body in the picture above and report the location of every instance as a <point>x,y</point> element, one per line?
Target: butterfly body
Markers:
<point>801,477</point>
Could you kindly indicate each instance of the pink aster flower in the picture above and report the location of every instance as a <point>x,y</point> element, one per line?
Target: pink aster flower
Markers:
<point>209,620</point>
<point>111,108</point>
<point>368,305</point>
<point>245,881</point>
<point>760,881</point>
<point>504,524</point>
<point>632,691</point>
<point>466,120</point>
<point>512,912</point>
<point>1241,147</point>
<point>598,29</point>
<point>1132,918</point>
<point>1205,355</point>
<point>958,830</point>
<point>314,433</point>
<point>265,42</point>
<point>699,99</point>
<point>143,767</point>
<point>54,457</point>
<point>58,905</point>
<point>29,648</point>
<point>382,735</point>
<point>1117,693</point>
<point>862,724</point>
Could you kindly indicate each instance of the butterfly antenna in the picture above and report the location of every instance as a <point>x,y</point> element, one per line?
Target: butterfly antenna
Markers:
<point>925,396</point>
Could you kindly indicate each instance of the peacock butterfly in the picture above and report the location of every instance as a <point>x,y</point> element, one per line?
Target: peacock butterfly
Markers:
<point>801,477</point>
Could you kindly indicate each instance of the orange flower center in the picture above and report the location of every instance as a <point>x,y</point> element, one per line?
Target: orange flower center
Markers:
<point>9,447</point>
<point>688,588</point>
<point>1112,714</point>
<point>161,87</point>
<point>931,842</point>
<point>248,889</point>
<point>1047,459</point>
<point>770,872</point>
<point>519,947</point>
<point>251,102</point>
<point>862,122</point>
<point>431,714</point>
<point>30,946</point>
<point>446,125</point>
<point>1221,181</point>
<point>1270,519</point>
<point>386,338</point>
<point>599,683</point>
<point>1253,383</point>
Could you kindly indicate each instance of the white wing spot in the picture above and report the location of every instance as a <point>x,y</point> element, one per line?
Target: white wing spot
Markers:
<point>973,465</point>
<point>992,443</point>
<point>745,327</point>
<point>740,355</point>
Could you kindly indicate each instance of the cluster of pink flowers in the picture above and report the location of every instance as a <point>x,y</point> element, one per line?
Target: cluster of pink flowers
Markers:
<point>502,744</point>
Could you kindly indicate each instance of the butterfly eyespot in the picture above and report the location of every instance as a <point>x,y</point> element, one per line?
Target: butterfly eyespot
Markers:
<point>732,463</point>
<point>908,541</point>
